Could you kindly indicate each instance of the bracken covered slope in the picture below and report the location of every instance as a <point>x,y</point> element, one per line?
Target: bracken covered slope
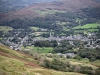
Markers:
<point>63,5</point>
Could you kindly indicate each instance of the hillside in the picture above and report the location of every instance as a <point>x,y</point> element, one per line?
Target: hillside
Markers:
<point>63,5</point>
<point>16,63</point>
<point>9,5</point>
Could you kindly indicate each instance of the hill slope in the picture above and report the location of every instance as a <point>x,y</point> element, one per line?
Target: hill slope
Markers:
<point>8,5</point>
<point>16,63</point>
<point>63,5</point>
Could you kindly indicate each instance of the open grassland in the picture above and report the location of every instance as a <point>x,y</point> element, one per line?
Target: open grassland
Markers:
<point>15,66</point>
<point>96,63</point>
<point>10,66</point>
<point>45,12</point>
<point>84,62</point>
<point>39,71</point>
<point>43,49</point>
<point>39,49</point>
<point>10,52</point>
<point>5,29</point>
<point>87,26</point>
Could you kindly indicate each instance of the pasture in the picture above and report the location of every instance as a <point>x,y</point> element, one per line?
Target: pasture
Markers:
<point>87,26</point>
<point>5,29</point>
<point>39,49</point>
<point>45,12</point>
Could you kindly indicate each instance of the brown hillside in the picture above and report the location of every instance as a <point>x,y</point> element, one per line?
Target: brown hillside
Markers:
<point>64,5</point>
<point>6,52</point>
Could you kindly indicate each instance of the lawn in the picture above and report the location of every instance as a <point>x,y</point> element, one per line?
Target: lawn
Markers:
<point>5,29</point>
<point>87,26</point>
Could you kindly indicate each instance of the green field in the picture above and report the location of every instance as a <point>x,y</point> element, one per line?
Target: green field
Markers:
<point>5,29</point>
<point>35,28</point>
<point>1,38</point>
<point>87,26</point>
<point>39,49</point>
<point>45,12</point>
<point>43,49</point>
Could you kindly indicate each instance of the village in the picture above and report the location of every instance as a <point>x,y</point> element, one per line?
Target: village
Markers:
<point>19,38</point>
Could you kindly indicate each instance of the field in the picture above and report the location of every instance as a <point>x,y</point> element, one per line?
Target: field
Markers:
<point>45,12</point>
<point>39,49</point>
<point>87,26</point>
<point>34,28</point>
<point>5,29</point>
<point>43,49</point>
<point>0,38</point>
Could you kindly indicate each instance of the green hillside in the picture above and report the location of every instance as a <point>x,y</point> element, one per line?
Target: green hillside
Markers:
<point>16,63</point>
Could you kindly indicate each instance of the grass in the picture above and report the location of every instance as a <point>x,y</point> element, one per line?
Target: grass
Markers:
<point>35,28</point>
<point>9,51</point>
<point>10,66</point>
<point>83,62</point>
<point>30,59</point>
<point>96,63</point>
<point>1,38</point>
<point>15,66</point>
<point>43,49</point>
<point>39,49</point>
<point>61,23</point>
<point>5,29</point>
<point>91,30</point>
<point>87,26</point>
<point>39,71</point>
<point>45,12</point>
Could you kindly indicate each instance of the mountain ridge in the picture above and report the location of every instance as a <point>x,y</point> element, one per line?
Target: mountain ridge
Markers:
<point>63,5</point>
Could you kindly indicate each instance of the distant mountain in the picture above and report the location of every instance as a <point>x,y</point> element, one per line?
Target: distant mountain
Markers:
<point>8,5</point>
<point>33,10</point>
